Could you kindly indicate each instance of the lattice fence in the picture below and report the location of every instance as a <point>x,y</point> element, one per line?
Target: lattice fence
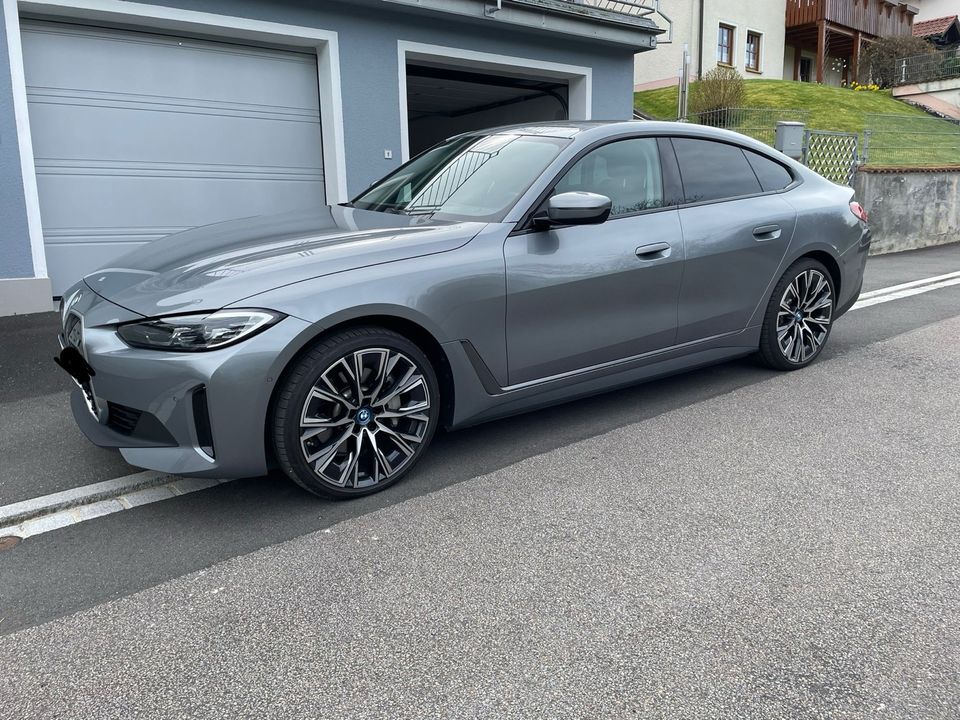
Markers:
<point>835,155</point>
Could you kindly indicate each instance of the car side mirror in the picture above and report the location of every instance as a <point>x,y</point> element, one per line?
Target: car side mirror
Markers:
<point>576,208</point>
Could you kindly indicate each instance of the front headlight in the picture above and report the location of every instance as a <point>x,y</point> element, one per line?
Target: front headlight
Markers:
<point>197,332</point>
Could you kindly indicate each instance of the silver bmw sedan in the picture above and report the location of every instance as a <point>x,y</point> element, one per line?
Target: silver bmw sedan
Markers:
<point>497,272</point>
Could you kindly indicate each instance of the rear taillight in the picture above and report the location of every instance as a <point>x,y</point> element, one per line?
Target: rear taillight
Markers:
<point>857,209</point>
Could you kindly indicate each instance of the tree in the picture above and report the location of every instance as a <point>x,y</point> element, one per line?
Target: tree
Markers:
<point>880,62</point>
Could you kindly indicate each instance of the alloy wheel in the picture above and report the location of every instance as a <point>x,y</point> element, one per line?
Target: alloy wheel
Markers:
<point>804,316</point>
<point>364,418</point>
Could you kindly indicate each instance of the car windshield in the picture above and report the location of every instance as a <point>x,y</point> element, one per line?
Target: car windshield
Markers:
<point>469,177</point>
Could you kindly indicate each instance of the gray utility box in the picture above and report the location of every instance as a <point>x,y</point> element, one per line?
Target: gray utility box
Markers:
<point>789,139</point>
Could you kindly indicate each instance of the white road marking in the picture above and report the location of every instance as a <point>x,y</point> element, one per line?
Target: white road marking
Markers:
<point>52,512</point>
<point>898,294</point>
<point>84,495</point>
<point>904,286</point>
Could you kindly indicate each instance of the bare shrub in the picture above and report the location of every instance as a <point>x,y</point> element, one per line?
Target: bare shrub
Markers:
<point>720,89</point>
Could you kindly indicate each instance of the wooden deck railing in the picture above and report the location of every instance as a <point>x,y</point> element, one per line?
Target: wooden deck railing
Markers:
<point>880,18</point>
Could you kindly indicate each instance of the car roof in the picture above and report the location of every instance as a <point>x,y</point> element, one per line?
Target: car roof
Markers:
<point>586,131</point>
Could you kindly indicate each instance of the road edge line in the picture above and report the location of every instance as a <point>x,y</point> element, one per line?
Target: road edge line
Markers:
<point>900,294</point>
<point>174,486</point>
<point>24,510</point>
<point>903,286</point>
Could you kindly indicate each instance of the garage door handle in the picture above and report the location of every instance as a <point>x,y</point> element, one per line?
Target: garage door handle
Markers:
<point>655,251</point>
<point>767,232</point>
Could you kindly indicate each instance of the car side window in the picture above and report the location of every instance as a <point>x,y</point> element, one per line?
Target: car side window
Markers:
<point>713,170</point>
<point>626,171</point>
<point>771,174</point>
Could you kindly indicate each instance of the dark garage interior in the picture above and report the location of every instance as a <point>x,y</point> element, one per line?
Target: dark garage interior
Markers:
<point>444,101</point>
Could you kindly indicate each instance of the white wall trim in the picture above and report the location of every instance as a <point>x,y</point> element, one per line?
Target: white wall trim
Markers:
<point>136,14</point>
<point>11,18</point>
<point>580,78</point>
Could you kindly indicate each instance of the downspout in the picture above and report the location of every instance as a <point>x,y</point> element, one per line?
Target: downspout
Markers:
<point>700,44</point>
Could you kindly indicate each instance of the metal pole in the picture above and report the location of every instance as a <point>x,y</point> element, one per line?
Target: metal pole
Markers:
<point>684,87</point>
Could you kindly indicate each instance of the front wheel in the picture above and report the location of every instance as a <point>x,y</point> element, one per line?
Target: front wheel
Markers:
<point>355,413</point>
<point>799,316</point>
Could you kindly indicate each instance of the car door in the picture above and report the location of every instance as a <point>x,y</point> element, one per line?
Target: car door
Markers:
<point>736,230</point>
<point>580,296</point>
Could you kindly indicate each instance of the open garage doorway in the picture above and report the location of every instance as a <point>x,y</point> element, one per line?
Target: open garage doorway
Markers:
<point>443,101</point>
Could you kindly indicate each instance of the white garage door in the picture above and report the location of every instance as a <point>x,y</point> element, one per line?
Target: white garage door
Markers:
<point>139,135</point>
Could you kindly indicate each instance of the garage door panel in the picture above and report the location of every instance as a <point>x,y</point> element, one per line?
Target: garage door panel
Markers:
<point>86,258</point>
<point>105,201</point>
<point>118,61</point>
<point>69,131</point>
<point>138,135</point>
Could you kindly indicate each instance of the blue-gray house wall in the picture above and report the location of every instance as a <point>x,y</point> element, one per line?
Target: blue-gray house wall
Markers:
<point>368,64</point>
<point>16,259</point>
<point>369,83</point>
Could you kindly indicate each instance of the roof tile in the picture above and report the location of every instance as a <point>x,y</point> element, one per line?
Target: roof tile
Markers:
<point>937,26</point>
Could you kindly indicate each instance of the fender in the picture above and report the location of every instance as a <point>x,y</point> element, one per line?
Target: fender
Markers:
<point>791,256</point>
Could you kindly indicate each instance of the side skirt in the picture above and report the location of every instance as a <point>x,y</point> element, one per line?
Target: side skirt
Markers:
<point>479,399</point>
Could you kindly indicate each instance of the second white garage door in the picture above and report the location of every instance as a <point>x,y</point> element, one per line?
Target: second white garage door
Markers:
<point>139,135</point>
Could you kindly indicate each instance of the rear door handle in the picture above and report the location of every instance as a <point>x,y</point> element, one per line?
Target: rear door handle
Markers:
<point>767,232</point>
<point>654,251</point>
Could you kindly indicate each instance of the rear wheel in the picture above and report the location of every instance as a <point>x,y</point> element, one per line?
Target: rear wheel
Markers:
<point>799,316</point>
<point>355,413</point>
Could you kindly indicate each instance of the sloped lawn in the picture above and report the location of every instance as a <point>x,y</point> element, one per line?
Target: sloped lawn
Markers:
<point>911,138</point>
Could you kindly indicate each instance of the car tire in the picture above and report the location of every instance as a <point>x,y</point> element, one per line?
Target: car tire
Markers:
<point>799,316</point>
<point>338,438</point>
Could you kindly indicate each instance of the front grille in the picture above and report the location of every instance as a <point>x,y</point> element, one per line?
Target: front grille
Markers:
<point>122,419</point>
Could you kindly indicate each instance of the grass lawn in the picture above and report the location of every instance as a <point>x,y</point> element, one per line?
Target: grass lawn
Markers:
<point>912,139</point>
<point>831,108</point>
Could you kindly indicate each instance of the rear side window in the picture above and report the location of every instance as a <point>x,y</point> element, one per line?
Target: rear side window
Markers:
<point>713,170</point>
<point>771,174</point>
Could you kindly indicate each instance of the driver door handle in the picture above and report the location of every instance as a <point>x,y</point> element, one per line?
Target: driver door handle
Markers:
<point>654,251</point>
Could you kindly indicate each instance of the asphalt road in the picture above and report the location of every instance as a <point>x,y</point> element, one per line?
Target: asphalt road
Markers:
<point>731,542</point>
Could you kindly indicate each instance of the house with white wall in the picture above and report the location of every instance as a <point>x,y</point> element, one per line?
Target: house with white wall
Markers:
<point>742,34</point>
<point>803,40</point>
<point>933,9</point>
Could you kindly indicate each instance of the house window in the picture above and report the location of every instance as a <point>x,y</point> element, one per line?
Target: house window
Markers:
<point>725,45</point>
<point>753,51</point>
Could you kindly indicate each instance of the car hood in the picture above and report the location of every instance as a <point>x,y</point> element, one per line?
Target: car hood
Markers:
<point>209,267</point>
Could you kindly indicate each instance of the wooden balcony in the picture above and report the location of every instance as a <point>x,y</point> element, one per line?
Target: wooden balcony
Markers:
<point>875,18</point>
<point>838,28</point>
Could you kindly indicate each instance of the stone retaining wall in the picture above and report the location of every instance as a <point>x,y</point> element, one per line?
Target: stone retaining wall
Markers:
<point>910,207</point>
